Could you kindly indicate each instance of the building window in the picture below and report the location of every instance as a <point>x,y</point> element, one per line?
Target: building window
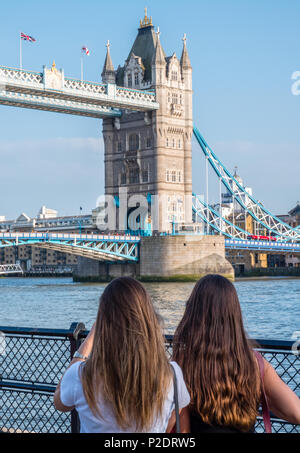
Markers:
<point>169,97</point>
<point>145,175</point>
<point>174,75</point>
<point>179,144</point>
<point>180,99</point>
<point>119,146</point>
<point>174,98</point>
<point>173,143</point>
<point>129,79</point>
<point>134,142</point>
<point>123,178</point>
<point>136,79</point>
<point>167,143</point>
<point>148,142</point>
<point>174,176</point>
<point>134,176</point>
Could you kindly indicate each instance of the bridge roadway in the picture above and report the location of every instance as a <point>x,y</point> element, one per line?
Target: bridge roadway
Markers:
<point>51,91</point>
<point>122,247</point>
<point>98,247</point>
<point>275,247</point>
<point>10,269</point>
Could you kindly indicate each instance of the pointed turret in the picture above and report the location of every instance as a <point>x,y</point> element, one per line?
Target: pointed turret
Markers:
<point>108,74</point>
<point>185,59</point>
<point>159,55</point>
<point>158,62</point>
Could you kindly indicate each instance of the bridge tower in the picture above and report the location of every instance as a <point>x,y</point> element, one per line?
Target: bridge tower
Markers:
<point>149,153</point>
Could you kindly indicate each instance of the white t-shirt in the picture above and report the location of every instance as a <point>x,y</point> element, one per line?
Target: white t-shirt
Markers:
<point>71,394</point>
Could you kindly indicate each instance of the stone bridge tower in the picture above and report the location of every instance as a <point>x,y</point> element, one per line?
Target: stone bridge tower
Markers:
<point>150,153</point>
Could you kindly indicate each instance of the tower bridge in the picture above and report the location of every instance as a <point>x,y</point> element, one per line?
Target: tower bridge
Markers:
<point>146,108</point>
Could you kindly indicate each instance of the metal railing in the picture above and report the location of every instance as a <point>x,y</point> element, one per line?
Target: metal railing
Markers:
<point>32,362</point>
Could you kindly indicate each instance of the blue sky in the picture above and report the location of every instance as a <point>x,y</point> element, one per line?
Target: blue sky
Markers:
<point>243,54</point>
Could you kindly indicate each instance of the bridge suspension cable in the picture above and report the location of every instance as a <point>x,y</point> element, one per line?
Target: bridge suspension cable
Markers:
<point>249,205</point>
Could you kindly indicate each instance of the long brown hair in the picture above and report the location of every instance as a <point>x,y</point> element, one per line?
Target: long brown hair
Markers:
<point>217,360</point>
<point>128,363</point>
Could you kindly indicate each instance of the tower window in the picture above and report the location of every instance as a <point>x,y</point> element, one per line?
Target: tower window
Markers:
<point>136,79</point>
<point>174,75</point>
<point>123,178</point>
<point>129,79</point>
<point>134,142</point>
<point>145,175</point>
<point>174,98</point>
<point>134,176</point>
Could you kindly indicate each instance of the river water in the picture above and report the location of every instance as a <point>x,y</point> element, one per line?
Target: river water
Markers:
<point>271,307</point>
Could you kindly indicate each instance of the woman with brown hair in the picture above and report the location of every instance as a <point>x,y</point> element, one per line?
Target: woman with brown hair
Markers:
<point>120,379</point>
<point>219,365</point>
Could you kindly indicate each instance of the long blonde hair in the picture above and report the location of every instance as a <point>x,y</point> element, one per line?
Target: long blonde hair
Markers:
<point>216,357</point>
<point>128,365</point>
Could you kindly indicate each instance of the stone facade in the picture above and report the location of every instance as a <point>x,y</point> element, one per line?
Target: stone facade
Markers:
<point>164,258</point>
<point>150,153</point>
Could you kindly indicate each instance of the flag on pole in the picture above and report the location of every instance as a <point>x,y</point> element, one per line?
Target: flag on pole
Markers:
<point>85,50</point>
<point>27,38</point>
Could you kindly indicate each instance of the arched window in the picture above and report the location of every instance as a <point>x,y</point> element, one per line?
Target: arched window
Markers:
<point>134,142</point>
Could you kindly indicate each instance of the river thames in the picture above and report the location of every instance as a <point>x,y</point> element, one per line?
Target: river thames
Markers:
<point>271,307</point>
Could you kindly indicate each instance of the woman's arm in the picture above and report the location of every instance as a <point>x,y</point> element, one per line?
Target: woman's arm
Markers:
<point>184,417</point>
<point>283,402</point>
<point>85,350</point>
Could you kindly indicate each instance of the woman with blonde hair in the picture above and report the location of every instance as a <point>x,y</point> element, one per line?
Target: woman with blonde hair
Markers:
<point>120,379</point>
<point>226,378</point>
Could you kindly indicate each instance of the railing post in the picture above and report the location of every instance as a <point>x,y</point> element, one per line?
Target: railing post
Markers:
<point>75,328</point>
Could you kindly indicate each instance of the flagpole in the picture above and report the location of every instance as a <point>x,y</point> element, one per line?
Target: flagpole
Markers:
<point>20,51</point>
<point>81,67</point>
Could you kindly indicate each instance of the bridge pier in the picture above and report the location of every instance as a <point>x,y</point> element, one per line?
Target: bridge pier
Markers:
<point>164,258</point>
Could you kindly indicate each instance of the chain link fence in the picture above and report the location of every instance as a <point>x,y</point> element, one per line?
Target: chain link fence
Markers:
<point>32,362</point>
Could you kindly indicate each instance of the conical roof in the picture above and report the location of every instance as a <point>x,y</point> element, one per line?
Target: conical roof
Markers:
<point>159,56</point>
<point>144,46</point>
<point>185,61</point>
<point>108,68</point>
